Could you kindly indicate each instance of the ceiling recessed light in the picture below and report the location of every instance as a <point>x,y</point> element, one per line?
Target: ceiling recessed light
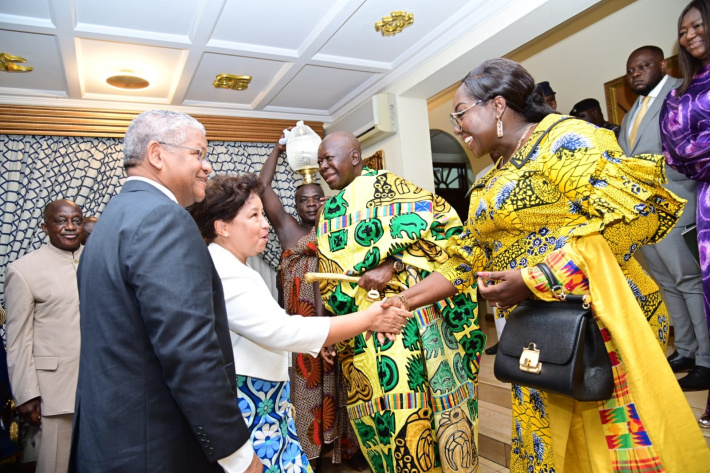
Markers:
<point>229,81</point>
<point>126,80</point>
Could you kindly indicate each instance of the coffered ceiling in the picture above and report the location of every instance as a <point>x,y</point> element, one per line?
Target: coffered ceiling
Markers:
<point>309,59</point>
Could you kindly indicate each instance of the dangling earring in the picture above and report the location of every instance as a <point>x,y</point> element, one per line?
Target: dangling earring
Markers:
<point>499,127</point>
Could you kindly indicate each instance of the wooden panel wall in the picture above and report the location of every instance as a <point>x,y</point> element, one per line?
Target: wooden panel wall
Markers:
<point>25,120</point>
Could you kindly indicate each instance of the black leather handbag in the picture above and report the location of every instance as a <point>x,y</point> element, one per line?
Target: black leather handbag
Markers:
<point>555,347</point>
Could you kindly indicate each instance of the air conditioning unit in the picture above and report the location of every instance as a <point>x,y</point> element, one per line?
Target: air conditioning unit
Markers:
<point>371,122</point>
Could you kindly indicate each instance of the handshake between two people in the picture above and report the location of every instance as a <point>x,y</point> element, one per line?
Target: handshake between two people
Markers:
<point>386,323</point>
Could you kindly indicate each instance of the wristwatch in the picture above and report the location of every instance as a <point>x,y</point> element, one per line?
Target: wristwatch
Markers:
<point>398,266</point>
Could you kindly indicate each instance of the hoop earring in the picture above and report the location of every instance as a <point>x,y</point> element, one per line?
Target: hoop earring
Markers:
<point>499,127</point>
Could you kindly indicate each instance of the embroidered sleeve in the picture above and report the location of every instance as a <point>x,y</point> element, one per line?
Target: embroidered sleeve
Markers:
<point>466,258</point>
<point>608,190</point>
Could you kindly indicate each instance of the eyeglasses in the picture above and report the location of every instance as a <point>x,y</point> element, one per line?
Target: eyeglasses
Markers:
<point>457,116</point>
<point>201,153</point>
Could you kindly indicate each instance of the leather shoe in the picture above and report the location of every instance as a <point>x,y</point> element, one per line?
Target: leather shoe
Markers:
<point>680,363</point>
<point>697,380</point>
<point>704,421</point>
<point>492,350</point>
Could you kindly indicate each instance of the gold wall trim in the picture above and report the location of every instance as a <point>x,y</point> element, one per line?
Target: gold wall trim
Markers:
<point>26,120</point>
<point>376,161</point>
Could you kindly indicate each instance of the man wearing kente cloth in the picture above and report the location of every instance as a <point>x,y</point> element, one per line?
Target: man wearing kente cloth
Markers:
<point>317,384</point>
<point>413,401</point>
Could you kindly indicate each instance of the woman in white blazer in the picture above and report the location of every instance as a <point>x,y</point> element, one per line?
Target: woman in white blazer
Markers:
<point>232,222</point>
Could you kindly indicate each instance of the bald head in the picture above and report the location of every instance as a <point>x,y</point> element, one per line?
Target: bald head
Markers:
<point>654,51</point>
<point>339,159</point>
<point>64,224</point>
<point>53,207</point>
<point>345,138</point>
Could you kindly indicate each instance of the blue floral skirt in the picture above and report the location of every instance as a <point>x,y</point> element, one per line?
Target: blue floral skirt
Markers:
<point>266,406</point>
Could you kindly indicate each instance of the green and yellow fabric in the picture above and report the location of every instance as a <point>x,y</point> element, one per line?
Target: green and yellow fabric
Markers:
<point>412,402</point>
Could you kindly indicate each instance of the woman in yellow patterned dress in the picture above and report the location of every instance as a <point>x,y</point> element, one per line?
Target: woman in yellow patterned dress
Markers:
<point>563,193</point>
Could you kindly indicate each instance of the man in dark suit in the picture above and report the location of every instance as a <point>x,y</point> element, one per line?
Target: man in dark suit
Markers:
<point>156,386</point>
<point>670,261</point>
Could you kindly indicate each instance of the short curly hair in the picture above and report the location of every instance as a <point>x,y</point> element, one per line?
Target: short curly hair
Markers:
<point>224,197</point>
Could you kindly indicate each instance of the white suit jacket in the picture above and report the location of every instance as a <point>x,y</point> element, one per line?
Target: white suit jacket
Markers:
<point>43,334</point>
<point>262,332</point>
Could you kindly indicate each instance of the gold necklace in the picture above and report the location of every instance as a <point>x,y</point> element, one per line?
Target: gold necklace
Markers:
<point>520,141</point>
<point>517,147</point>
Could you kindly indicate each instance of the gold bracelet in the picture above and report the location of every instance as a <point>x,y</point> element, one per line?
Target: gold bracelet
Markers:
<point>404,302</point>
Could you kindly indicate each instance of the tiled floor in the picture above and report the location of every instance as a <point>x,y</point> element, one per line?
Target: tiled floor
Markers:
<point>488,466</point>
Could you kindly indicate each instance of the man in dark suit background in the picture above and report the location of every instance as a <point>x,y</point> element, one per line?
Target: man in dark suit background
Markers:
<point>670,261</point>
<point>550,95</point>
<point>590,111</point>
<point>156,388</point>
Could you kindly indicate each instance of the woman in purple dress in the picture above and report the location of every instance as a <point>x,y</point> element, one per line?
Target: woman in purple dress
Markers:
<point>685,128</point>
